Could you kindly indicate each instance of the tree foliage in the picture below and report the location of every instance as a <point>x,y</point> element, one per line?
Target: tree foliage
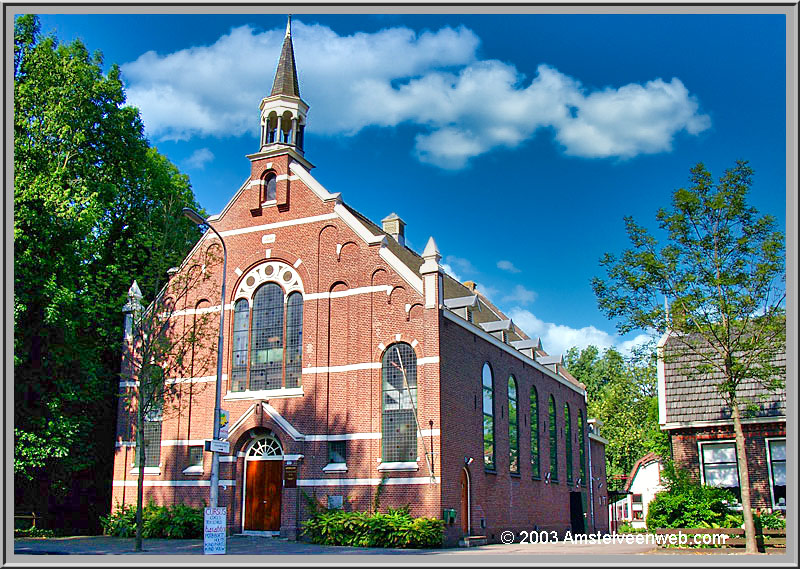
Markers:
<point>90,199</point>
<point>620,393</point>
<point>717,284</point>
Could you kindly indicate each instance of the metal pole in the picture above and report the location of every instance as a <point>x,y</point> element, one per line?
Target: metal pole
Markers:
<point>214,493</point>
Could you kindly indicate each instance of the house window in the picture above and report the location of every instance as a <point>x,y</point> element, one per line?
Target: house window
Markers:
<point>637,499</point>
<point>551,413</point>
<point>776,455</point>
<point>337,453</point>
<point>399,371</point>
<point>719,467</point>
<point>196,456</point>
<point>535,433</point>
<point>638,515</point>
<point>152,440</point>
<point>267,341</point>
<point>513,426</point>
<point>568,440</point>
<point>581,447</point>
<point>488,417</point>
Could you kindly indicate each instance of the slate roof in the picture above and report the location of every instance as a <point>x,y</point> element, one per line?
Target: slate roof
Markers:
<point>688,398</point>
<point>286,75</point>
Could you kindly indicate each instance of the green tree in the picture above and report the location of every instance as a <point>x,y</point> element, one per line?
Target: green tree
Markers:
<point>722,270</point>
<point>620,394</point>
<point>87,187</point>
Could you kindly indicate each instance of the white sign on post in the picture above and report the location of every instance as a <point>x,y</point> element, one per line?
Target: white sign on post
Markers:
<point>214,531</point>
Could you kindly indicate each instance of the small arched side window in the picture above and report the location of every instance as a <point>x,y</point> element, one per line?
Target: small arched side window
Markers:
<point>488,417</point>
<point>270,188</point>
<point>568,441</point>
<point>513,427</point>
<point>551,411</point>
<point>535,472</point>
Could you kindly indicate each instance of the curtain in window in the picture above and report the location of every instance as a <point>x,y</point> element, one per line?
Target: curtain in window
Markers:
<point>535,472</point>
<point>513,426</point>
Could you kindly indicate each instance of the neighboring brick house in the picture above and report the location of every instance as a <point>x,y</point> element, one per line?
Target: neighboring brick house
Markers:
<point>324,311</point>
<point>641,487</point>
<point>701,428</point>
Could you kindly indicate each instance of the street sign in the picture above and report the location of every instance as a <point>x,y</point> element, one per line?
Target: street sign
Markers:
<point>214,531</point>
<point>218,446</point>
<point>224,420</point>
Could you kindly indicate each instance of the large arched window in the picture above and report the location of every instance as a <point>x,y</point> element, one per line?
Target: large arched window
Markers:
<point>513,426</point>
<point>535,472</point>
<point>581,447</point>
<point>399,373</point>
<point>568,440</point>
<point>488,417</point>
<point>551,415</point>
<point>267,340</point>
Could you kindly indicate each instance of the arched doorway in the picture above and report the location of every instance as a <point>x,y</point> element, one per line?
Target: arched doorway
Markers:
<point>263,484</point>
<point>465,501</point>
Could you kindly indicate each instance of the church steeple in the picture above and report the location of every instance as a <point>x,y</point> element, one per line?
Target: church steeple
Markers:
<point>283,112</point>
<point>285,82</point>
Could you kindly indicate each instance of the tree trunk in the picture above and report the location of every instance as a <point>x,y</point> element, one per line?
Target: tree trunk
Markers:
<point>140,459</point>
<point>744,481</point>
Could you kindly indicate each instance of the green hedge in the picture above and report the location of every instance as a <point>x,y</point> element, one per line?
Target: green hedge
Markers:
<point>178,521</point>
<point>396,528</point>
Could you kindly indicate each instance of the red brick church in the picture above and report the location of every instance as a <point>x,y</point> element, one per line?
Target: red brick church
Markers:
<point>355,366</point>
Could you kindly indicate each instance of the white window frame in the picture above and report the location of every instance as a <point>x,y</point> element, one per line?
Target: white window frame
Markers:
<point>700,445</point>
<point>767,442</point>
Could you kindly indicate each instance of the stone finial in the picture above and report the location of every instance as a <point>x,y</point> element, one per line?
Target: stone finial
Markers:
<point>134,299</point>
<point>396,227</point>
<point>431,251</point>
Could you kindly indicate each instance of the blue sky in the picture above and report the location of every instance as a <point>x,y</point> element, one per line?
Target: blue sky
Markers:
<point>518,141</point>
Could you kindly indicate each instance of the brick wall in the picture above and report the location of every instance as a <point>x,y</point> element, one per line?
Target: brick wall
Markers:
<point>685,453</point>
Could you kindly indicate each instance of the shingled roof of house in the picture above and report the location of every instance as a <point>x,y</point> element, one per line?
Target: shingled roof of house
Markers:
<point>689,399</point>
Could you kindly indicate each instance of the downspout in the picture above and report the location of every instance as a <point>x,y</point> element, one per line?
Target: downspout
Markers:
<point>591,482</point>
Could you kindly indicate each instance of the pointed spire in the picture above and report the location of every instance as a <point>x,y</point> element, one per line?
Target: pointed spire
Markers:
<point>431,251</point>
<point>286,75</point>
<point>134,291</point>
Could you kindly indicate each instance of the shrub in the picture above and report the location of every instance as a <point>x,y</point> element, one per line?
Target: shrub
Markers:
<point>178,522</point>
<point>396,528</point>
<point>687,504</point>
<point>33,532</point>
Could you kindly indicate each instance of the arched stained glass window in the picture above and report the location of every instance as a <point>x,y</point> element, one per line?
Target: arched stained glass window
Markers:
<point>513,426</point>
<point>535,471</point>
<point>399,375</point>
<point>294,339</point>
<point>551,412</point>
<point>488,417</point>
<point>266,338</point>
<point>568,441</point>
<point>241,337</point>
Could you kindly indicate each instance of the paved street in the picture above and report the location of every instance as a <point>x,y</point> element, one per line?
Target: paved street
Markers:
<point>250,545</point>
<point>28,550</point>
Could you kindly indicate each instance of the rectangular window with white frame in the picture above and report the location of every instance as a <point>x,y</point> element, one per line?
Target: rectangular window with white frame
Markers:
<point>776,462</point>
<point>718,466</point>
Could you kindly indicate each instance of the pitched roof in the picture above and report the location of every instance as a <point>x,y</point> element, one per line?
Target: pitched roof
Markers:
<point>644,461</point>
<point>688,399</point>
<point>286,75</point>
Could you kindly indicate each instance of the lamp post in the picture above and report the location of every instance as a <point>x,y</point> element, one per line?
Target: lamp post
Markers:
<point>214,493</point>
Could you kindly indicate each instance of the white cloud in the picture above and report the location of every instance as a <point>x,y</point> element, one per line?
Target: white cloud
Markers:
<point>449,270</point>
<point>558,338</point>
<point>199,159</point>
<point>431,80</point>
<point>460,263</point>
<point>521,295</point>
<point>507,266</point>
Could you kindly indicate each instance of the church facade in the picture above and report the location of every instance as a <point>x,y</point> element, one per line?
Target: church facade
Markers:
<point>356,371</point>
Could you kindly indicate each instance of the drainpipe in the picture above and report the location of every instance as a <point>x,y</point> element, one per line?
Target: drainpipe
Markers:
<point>591,486</point>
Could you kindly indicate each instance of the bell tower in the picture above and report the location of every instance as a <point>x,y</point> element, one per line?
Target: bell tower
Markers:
<point>283,112</point>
